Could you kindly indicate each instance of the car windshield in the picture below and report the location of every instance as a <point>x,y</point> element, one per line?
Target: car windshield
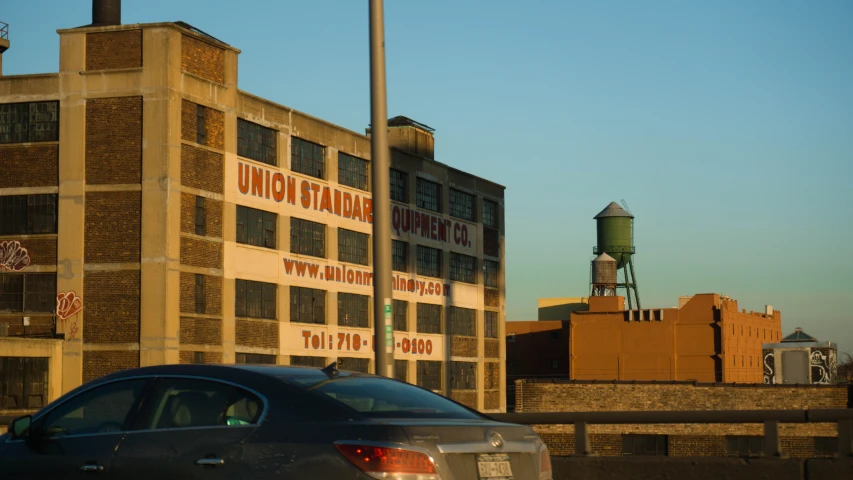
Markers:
<point>378,397</point>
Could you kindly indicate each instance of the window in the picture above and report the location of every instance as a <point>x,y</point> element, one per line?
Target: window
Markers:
<point>307,238</point>
<point>463,375</point>
<point>188,402</point>
<point>463,321</point>
<point>101,409</point>
<point>428,195</point>
<point>199,294</point>
<point>491,273</point>
<point>255,299</point>
<point>30,292</point>
<point>429,318</point>
<point>401,315</point>
<point>462,268</point>
<point>399,256</point>
<point>305,361</point>
<point>256,227</point>
<point>644,445</point>
<point>28,214</point>
<point>29,122</point>
<point>307,305</point>
<point>743,445</point>
<point>401,370</point>
<point>555,364</point>
<point>201,126</point>
<point>352,246</point>
<point>490,324</point>
<point>199,215</point>
<point>429,375</point>
<point>352,310</point>
<point>354,364</point>
<point>23,383</point>
<point>490,214</point>
<point>353,171</point>
<point>198,357</point>
<point>493,379</point>
<point>825,446</point>
<point>429,261</point>
<point>399,182</point>
<point>254,359</point>
<point>461,204</point>
<point>308,158</point>
<point>256,142</point>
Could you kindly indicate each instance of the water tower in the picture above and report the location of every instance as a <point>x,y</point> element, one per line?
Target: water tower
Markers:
<point>615,235</point>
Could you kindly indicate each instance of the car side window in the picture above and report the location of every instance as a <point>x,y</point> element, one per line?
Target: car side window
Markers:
<point>102,409</point>
<point>188,403</point>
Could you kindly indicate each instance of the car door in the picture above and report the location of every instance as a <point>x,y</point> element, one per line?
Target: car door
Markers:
<point>77,438</point>
<point>194,428</point>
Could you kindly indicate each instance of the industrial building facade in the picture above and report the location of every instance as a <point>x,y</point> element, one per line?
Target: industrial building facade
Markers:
<point>151,213</point>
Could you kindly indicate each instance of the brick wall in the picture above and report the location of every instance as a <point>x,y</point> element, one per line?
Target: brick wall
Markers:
<point>207,357</point>
<point>492,297</point>
<point>214,125</point>
<point>465,397</point>
<point>99,363</point>
<point>257,333</point>
<point>696,445</point>
<point>29,166</point>
<point>212,294</point>
<point>202,59</point>
<point>492,400</point>
<point>114,140</point>
<point>492,348</point>
<point>109,50</point>
<point>111,306</point>
<point>798,447</point>
<point>201,331</point>
<point>201,169</point>
<point>42,250</point>
<point>213,215</point>
<point>113,227</point>
<point>201,253</point>
<point>463,346</point>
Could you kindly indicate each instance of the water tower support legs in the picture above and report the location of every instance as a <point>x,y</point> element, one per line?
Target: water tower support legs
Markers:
<point>634,283</point>
<point>627,286</point>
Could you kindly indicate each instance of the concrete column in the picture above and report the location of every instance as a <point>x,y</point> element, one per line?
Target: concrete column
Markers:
<point>229,332</point>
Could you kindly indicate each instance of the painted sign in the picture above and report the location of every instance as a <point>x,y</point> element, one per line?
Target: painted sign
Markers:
<point>359,341</point>
<point>13,256</point>
<point>67,305</point>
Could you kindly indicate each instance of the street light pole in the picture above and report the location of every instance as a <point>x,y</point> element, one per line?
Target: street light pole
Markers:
<point>382,305</point>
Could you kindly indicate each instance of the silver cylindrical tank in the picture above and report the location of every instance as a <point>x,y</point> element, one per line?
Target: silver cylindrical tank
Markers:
<point>604,270</point>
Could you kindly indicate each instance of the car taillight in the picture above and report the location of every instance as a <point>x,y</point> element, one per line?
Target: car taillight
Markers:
<point>393,462</point>
<point>544,464</point>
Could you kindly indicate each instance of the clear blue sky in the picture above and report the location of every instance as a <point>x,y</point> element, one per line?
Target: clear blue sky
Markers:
<point>727,126</point>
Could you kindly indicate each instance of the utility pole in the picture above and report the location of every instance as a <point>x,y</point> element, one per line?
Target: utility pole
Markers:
<point>383,327</point>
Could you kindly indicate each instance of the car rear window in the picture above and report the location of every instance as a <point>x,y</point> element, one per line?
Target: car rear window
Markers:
<point>378,397</point>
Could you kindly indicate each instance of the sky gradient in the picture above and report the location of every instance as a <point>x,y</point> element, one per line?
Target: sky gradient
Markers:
<point>726,126</point>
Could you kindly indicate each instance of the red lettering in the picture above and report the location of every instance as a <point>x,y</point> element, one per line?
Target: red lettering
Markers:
<point>407,220</point>
<point>368,210</point>
<point>456,233</point>
<point>395,219</point>
<point>406,345</point>
<point>326,200</point>
<point>417,222</point>
<point>291,190</point>
<point>442,230</point>
<point>410,285</point>
<point>432,226</point>
<point>243,178</point>
<point>306,194</point>
<point>267,185</point>
<point>316,189</point>
<point>315,342</point>
<point>429,347</point>
<point>278,187</point>
<point>337,202</point>
<point>312,270</point>
<point>306,334</point>
<point>288,266</point>
<point>350,276</point>
<point>431,289</point>
<point>464,236</point>
<point>356,209</point>
<point>356,342</point>
<point>257,182</point>
<point>347,205</point>
<point>420,346</point>
<point>425,225</point>
<point>300,269</point>
<point>438,289</point>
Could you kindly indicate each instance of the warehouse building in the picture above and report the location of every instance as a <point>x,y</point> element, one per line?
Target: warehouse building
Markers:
<point>151,212</point>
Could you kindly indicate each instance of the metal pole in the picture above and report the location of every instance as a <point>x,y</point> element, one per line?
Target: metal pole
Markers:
<point>382,314</point>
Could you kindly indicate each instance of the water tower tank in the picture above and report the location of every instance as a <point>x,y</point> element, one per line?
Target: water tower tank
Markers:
<point>614,231</point>
<point>604,270</point>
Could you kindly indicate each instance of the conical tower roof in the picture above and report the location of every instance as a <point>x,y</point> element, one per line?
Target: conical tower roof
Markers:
<point>613,210</point>
<point>799,336</point>
<point>604,257</point>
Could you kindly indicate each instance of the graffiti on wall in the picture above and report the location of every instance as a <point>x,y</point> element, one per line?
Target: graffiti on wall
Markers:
<point>68,304</point>
<point>769,367</point>
<point>13,256</point>
<point>824,365</point>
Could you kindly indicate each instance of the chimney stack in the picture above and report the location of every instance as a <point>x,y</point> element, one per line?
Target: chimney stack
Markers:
<point>106,12</point>
<point>4,43</point>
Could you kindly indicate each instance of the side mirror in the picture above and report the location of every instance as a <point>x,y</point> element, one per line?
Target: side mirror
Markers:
<point>20,427</point>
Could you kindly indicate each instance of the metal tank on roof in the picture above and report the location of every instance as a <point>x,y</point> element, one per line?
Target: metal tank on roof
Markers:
<point>615,232</point>
<point>604,276</point>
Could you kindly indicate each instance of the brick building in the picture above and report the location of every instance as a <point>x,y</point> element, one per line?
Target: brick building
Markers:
<point>151,212</point>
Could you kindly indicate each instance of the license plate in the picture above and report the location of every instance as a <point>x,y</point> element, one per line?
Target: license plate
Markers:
<point>494,467</point>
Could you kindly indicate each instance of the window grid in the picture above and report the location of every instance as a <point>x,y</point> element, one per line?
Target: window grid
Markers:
<point>352,246</point>
<point>200,219</point>
<point>306,361</point>
<point>744,445</point>
<point>399,182</point>
<point>401,315</point>
<point>29,292</point>
<point>463,375</point>
<point>428,195</point>
<point>29,122</point>
<point>429,261</point>
<point>463,321</point>
<point>655,445</point>
<point>28,214</point>
<point>307,158</point>
<point>490,324</point>
<point>254,359</point>
<point>429,318</point>
<point>255,299</point>
<point>24,383</point>
<point>462,268</point>
<point>256,227</point>
<point>201,127</point>
<point>429,375</point>
<point>490,214</point>
<point>256,142</point>
<point>307,305</point>
<point>307,238</point>
<point>353,171</point>
<point>354,364</point>
<point>401,370</point>
<point>352,310</point>
<point>200,306</point>
<point>462,204</point>
<point>491,273</point>
<point>399,256</point>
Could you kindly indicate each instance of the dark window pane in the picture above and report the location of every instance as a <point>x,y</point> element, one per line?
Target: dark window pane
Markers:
<point>429,318</point>
<point>491,324</point>
<point>399,183</point>
<point>201,126</point>
<point>199,294</point>
<point>307,158</point>
<point>399,256</point>
<point>40,292</point>
<point>305,361</point>
<point>187,402</point>
<point>491,273</point>
<point>462,204</point>
<point>401,370</point>
<point>490,214</point>
<point>199,216</point>
<point>29,122</point>
<point>401,314</point>
<point>429,375</point>
<point>255,299</point>
<point>255,359</point>
<point>462,268</point>
<point>353,365</point>
<point>462,321</point>
<point>352,310</point>
<point>28,214</point>
<point>23,383</point>
<point>307,238</point>
<point>352,246</point>
<point>644,444</point>
<point>256,142</point>
<point>307,305</point>
<point>353,172</point>
<point>256,227</point>
<point>93,411</point>
<point>429,261</point>
<point>463,375</point>
<point>11,293</point>
<point>428,195</point>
